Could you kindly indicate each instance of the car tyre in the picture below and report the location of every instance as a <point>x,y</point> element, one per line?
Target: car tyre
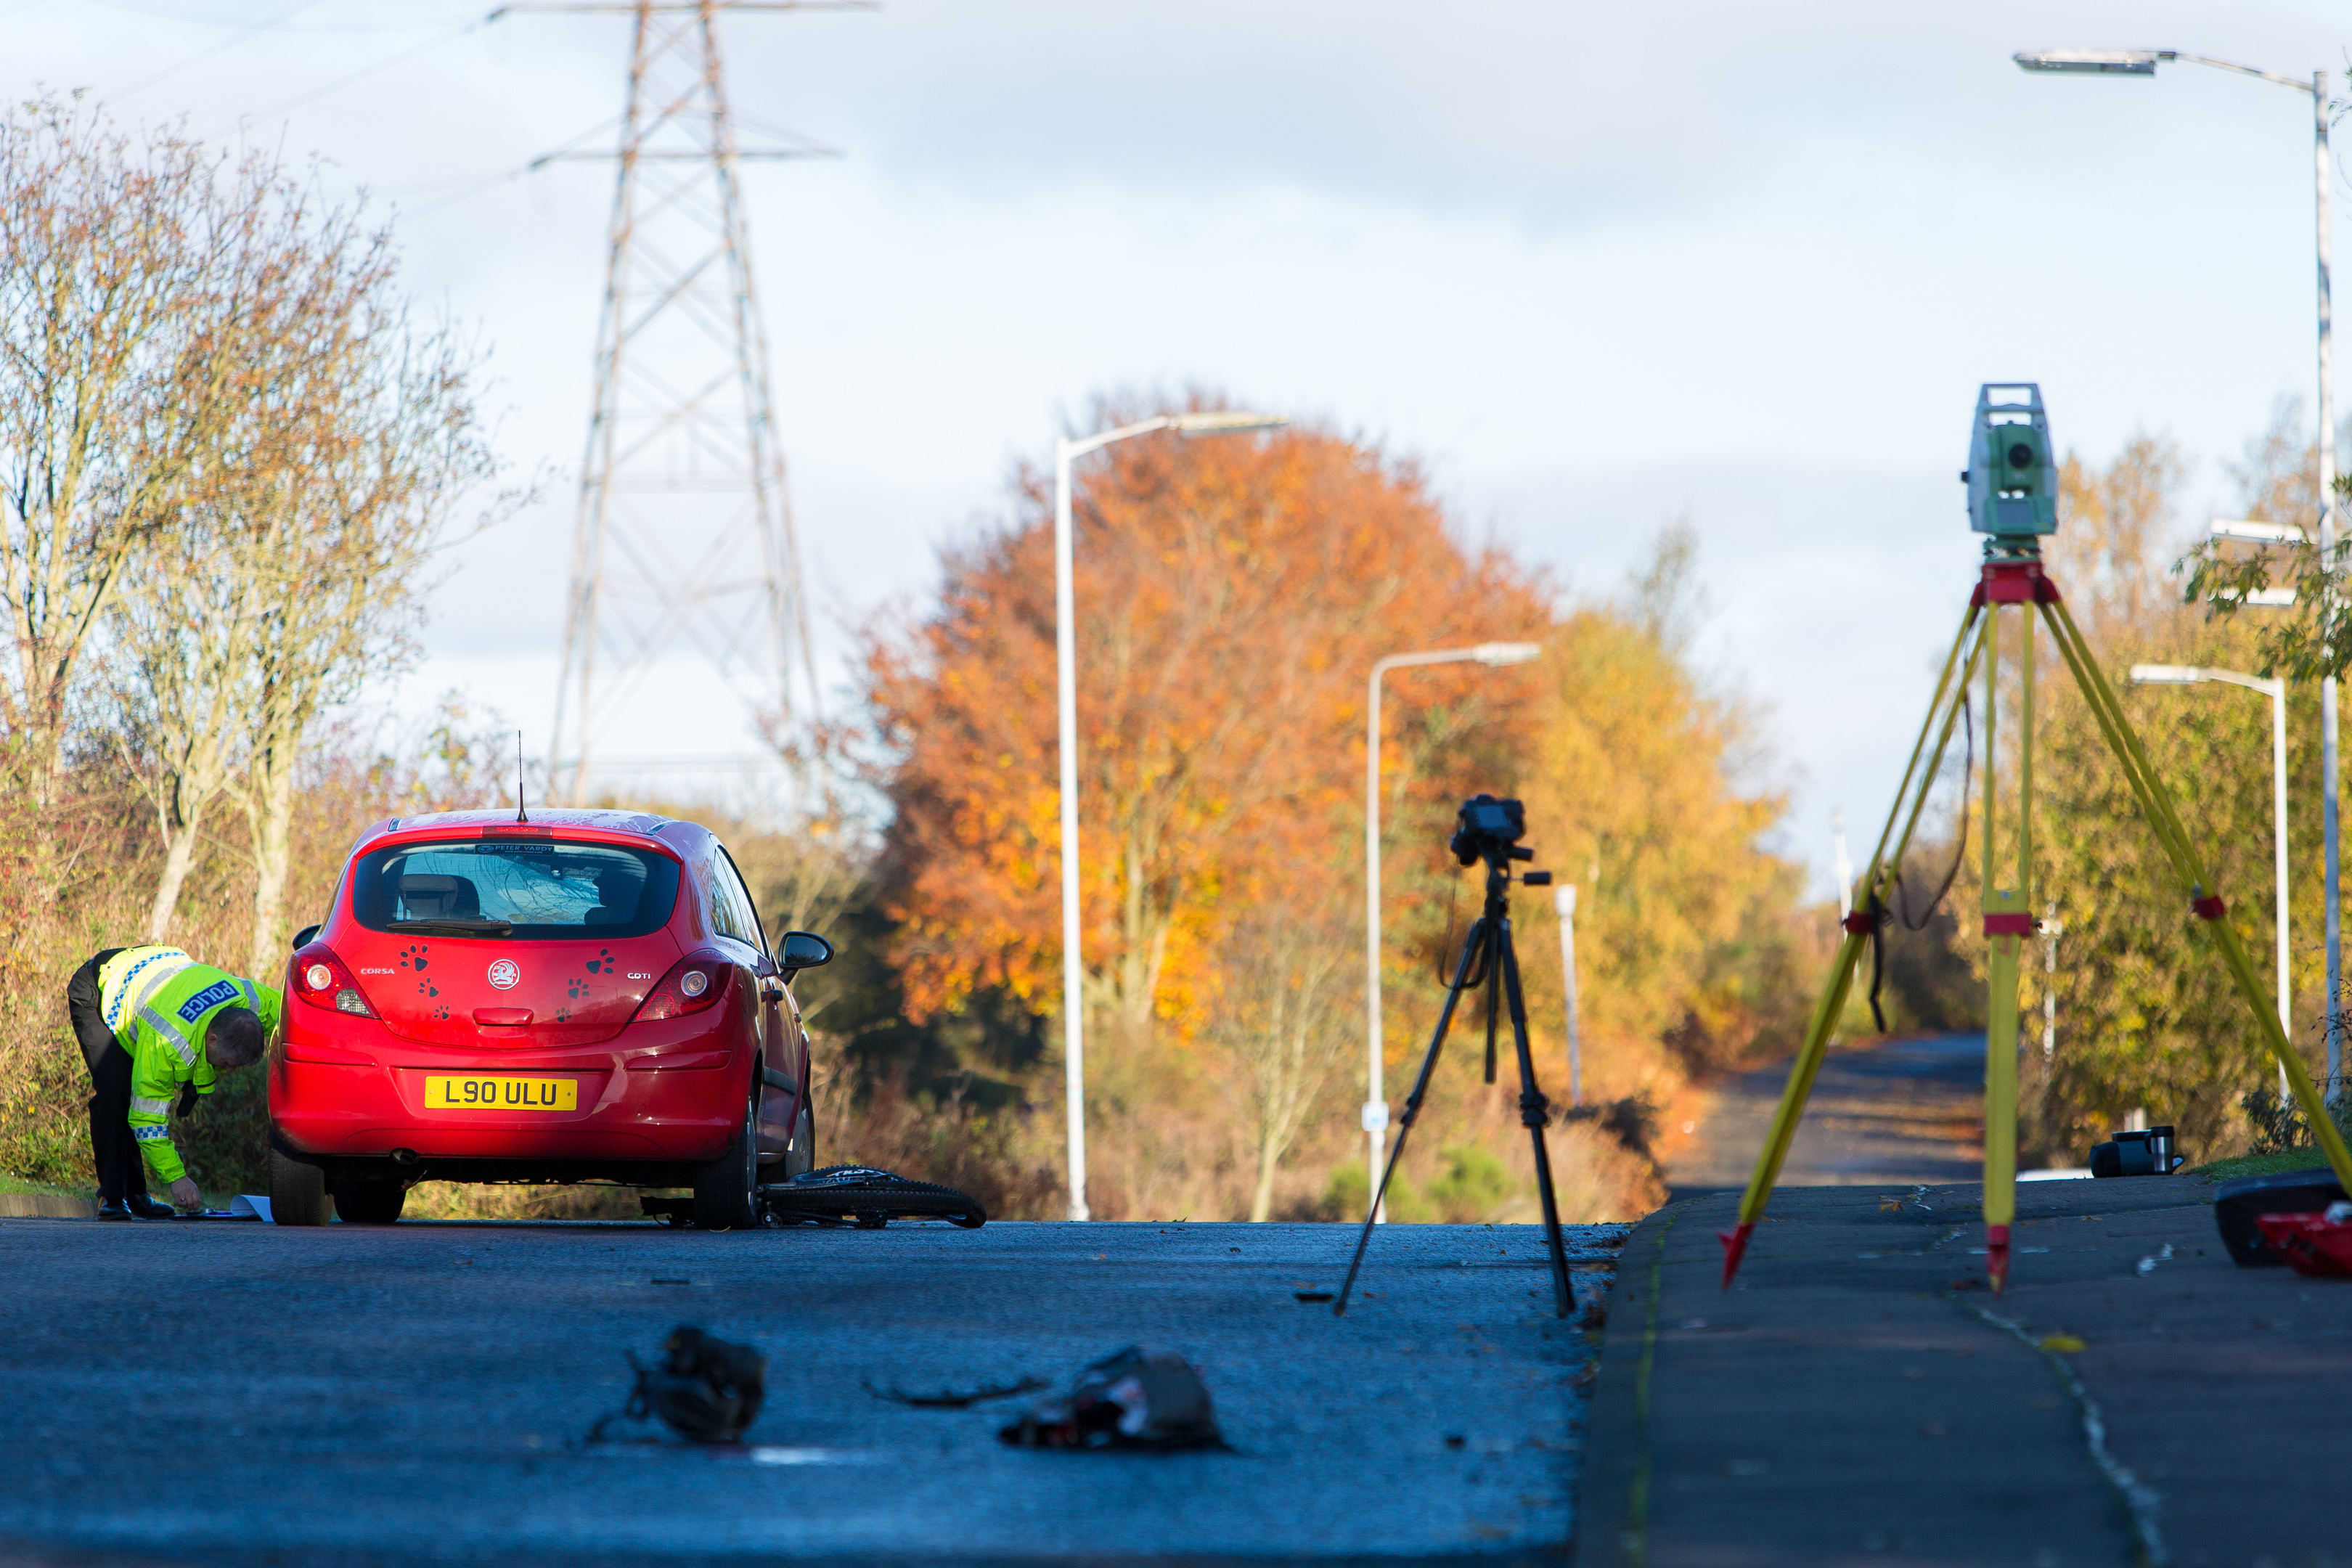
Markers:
<point>726,1190</point>
<point>800,1158</point>
<point>297,1191</point>
<point>365,1201</point>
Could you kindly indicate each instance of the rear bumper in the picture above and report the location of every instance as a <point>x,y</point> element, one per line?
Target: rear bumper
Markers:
<point>649,1103</point>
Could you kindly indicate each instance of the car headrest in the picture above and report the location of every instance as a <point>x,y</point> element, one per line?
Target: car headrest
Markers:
<point>435,897</point>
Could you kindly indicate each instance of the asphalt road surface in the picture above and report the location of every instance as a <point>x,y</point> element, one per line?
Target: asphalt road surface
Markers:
<point>1909,1110</point>
<point>186,1393</point>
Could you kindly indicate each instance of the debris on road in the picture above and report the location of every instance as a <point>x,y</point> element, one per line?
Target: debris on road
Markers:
<point>243,1206</point>
<point>1135,1398</point>
<point>705,1389</point>
<point>949,1400</point>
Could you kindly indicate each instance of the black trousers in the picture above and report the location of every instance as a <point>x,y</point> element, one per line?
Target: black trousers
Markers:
<point>122,1173</point>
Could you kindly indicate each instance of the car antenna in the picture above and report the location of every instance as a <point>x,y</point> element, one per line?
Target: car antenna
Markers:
<point>520,815</point>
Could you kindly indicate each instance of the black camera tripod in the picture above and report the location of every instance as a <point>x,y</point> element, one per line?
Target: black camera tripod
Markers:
<point>1487,958</point>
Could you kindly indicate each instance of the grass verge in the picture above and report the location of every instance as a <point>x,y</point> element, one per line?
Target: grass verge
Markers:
<point>46,1189</point>
<point>2262,1164</point>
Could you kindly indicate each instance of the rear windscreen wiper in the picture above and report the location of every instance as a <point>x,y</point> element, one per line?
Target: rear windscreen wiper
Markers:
<point>455,926</point>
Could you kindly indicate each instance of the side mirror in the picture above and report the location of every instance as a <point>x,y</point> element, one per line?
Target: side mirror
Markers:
<point>802,950</point>
<point>302,937</point>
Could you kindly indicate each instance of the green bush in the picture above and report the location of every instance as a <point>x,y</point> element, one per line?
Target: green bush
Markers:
<point>1347,1192</point>
<point>1473,1187</point>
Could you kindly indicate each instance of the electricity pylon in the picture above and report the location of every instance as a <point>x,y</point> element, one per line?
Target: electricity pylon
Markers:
<point>685,532</point>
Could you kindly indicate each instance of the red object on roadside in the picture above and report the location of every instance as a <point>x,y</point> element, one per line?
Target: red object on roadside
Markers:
<point>2312,1244</point>
<point>1997,1256</point>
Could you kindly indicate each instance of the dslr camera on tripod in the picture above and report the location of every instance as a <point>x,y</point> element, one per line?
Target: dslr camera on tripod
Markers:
<point>1489,829</point>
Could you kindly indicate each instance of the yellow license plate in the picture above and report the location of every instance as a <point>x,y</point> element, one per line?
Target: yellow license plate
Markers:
<point>482,1093</point>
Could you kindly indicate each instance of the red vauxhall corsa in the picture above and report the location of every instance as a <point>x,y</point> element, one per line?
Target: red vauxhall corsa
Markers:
<point>585,997</point>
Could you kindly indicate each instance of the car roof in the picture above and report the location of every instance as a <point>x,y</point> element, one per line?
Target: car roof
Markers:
<point>681,838</point>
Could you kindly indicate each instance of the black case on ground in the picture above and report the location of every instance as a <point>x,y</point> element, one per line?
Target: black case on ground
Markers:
<point>2238,1205</point>
<point>2146,1152</point>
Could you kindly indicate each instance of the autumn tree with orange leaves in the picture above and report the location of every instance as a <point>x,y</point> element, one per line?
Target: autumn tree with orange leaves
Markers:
<point>1232,594</point>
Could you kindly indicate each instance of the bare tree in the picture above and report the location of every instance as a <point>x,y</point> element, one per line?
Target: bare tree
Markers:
<point>1284,1020</point>
<point>817,863</point>
<point>301,521</point>
<point>185,630</point>
<point>116,342</point>
<point>360,497</point>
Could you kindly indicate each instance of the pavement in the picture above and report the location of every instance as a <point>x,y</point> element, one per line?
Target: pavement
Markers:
<point>221,1392</point>
<point>46,1205</point>
<point>1906,1110</point>
<point>1859,1397</point>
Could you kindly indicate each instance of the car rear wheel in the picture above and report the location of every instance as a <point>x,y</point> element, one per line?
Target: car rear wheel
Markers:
<point>297,1191</point>
<point>726,1190</point>
<point>369,1202</point>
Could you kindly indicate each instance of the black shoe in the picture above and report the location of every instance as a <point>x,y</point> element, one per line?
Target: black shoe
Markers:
<point>144,1207</point>
<point>113,1209</point>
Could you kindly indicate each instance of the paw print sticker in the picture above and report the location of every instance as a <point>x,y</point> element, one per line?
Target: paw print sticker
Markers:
<point>441,1014</point>
<point>427,988</point>
<point>602,964</point>
<point>413,957</point>
<point>576,989</point>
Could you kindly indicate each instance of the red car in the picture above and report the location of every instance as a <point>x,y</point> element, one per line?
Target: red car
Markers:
<point>586,996</point>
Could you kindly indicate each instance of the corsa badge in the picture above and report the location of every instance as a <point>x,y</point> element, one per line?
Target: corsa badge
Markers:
<point>504,973</point>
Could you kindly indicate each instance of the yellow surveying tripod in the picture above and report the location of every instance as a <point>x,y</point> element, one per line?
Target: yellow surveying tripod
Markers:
<point>2012,486</point>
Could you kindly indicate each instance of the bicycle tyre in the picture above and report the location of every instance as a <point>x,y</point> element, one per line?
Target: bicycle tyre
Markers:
<point>871,1200</point>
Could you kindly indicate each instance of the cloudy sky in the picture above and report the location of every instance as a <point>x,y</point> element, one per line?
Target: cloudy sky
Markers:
<point>1598,267</point>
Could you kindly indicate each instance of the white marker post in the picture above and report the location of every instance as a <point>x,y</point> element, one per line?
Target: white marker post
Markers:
<point>1563,899</point>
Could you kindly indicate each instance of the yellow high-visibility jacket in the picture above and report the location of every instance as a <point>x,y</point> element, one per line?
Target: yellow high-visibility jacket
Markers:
<point>160,1002</point>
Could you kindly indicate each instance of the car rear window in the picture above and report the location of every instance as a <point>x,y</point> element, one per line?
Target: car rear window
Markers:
<point>547,892</point>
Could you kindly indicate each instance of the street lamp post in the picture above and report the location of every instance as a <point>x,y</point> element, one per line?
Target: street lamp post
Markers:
<point>1844,866</point>
<point>2191,675</point>
<point>1494,656</point>
<point>2050,932</point>
<point>1563,899</point>
<point>1066,672</point>
<point>2143,62</point>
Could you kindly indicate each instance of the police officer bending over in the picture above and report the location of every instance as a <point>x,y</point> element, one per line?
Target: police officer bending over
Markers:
<point>154,1025</point>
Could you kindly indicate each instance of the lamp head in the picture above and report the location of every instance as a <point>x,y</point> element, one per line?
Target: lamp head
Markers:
<point>1495,654</point>
<point>1224,422</point>
<point>2165,674</point>
<point>2095,62</point>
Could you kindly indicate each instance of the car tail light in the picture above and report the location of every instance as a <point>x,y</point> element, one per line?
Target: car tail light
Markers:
<point>322,979</point>
<point>692,983</point>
